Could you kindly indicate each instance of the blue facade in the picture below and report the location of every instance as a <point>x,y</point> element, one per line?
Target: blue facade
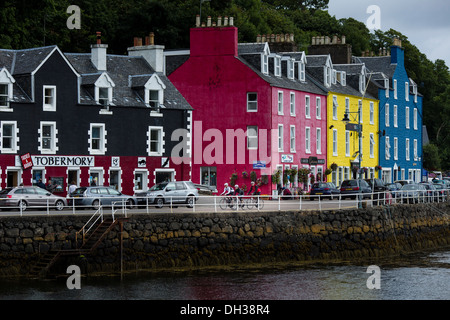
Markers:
<point>401,117</point>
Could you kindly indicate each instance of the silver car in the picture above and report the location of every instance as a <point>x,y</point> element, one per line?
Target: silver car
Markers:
<point>413,193</point>
<point>97,196</point>
<point>169,193</point>
<point>24,197</point>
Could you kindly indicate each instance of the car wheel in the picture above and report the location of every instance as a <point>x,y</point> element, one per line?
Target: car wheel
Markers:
<point>190,201</point>
<point>23,205</point>
<point>96,204</point>
<point>159,202</point>
<point>130,204</point>
<point>59,205</point>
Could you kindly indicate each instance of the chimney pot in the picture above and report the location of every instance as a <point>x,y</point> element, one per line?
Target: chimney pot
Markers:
<point>197,21</point>
<point>343,39</point>
<point>258,38</point>
<point>152,38</point>
<point>335,39</point>
<point>135,41</point>
<point>225,21</point>
<point>208,21</point>
<point>99,37</point>
<point>231,21</point>
<point>291,37</point>
<point>219,21</point>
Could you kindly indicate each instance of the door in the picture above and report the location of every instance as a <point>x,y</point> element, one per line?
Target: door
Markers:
<point>171,193</point>
<point>12,178</point>
<point>105,197</point>
<point>181,191</point>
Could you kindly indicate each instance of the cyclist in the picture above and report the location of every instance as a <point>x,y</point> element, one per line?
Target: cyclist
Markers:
<point>227,191</point>
<point>255,189</point>
<point>239,193</point>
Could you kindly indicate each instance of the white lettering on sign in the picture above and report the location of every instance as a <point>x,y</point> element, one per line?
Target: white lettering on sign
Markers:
<point>63,161</point>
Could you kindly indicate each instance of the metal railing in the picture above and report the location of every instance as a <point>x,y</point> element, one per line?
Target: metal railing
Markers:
<point>89,224</point>
<point>214,203</point>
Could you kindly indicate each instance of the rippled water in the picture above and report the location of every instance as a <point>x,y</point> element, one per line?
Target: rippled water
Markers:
<point>423,276</point>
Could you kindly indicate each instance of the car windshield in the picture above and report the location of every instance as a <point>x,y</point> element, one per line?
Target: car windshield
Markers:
<point>79,191</point>
<point>320,185</point>
<point>409,187</point>
<point>350,183</point>
<point>158,187</point>
<point>439,186</point>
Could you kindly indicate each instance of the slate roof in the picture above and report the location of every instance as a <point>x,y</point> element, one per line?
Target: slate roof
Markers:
<point>22,63</point>
<point>378,64</point>
<point>128,74</point>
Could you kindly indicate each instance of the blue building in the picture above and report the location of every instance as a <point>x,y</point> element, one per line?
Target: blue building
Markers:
<point>401,116</point>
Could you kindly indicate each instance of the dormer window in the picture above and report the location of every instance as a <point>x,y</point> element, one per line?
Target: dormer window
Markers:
<point>104,90</point>
<point>362,83</point>
<point>6,88</point>
<point>103,96</point>
<point>301,71</point>
<point>290,68</point>
<point>153,99</point>
<point>49,98</point>
<point>386,87</point>
<point>154,93</point>
<point>265,63</point>
<point>328,75</point>
<point>277,63</point>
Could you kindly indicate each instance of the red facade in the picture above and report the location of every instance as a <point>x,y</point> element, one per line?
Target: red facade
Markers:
<point>217,83</point>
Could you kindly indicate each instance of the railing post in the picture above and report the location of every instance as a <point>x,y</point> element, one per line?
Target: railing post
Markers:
<point>279,202</point>
<point>48,209</point>
<point>215,203</point>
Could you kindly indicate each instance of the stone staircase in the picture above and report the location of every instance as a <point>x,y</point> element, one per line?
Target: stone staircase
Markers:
<point>41,268</point>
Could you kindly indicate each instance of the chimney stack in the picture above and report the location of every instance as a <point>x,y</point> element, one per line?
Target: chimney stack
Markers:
<point>153,54</point>
<point>98,53</point>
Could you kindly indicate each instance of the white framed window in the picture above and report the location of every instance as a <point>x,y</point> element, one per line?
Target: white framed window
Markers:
<point>292,139</point>
<point>395,148</point>
<point>47,137</point>
<point>386,87</point>
<point>347,105</point>
<point>328,75</point>
<point>307,107</point>
<point>265,63</point>
<point>6,89</point>
<point>406,91</point>
<point>301,71</point>
<point>252,137</point>
<point>386,115</point>
<point>292,103</point>
<point>395,89</point>
<point>280,102</point>
<point>407,117</point>
<point>343,78</point>
<point>277,66</point>
<point>97,138</point>
<point>308,140</point>
<point>415,149</point>
<point>372,111</point>
<point>252,102</point>
<point>415,119</point>
<point>360,108</point>
<point>334,77</point>
<point>395,116</point>
<point>347,143</point>
<point>140,180</point>
<point>153,98</point>
<point>9,138</point>
<point>155,146</point>
<point>4,95</point>
<point>280,138</point>
<point>362,83</point>
<point>291,68</point>
<point>335,107</point>
<point>49,98</point>
<point>387,148</point>
<point>335,139</point>
<point>372,146</point>
<point>407,149</point>
<point>318,140</point>
<point>318,108</point>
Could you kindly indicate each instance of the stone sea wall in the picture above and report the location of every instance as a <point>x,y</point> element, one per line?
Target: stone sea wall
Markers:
<point>156,240</point>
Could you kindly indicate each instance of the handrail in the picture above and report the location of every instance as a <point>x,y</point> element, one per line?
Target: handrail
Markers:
<point>83,229</point>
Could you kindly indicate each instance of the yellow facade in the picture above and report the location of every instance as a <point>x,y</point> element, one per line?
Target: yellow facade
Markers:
<point>343,145</point>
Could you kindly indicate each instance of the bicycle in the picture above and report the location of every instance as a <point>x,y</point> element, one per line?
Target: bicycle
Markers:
<point>257,203</point>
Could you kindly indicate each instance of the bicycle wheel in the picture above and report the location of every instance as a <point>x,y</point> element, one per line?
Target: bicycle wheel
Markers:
<point>232,204</point>
<point>259,203</point>
<point>251,203</point>
<point>223,204</point>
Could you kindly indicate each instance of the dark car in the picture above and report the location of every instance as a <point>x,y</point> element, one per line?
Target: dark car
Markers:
<point>326,189</point>
<point>432,192</point>
<point>378,188</point>
<point>442,191</point>
<point>352,188</point>
<point>394,188</point>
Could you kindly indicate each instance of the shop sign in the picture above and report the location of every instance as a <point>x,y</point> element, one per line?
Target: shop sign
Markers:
<point>27,162</point>
<point>287,158</point>
<point>63,161</point>
<point>259,164</point>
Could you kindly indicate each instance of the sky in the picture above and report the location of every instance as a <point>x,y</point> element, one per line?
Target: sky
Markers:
<point>426,23</point>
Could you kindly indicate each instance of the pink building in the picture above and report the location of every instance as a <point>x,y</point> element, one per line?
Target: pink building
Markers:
<point>254,110</point>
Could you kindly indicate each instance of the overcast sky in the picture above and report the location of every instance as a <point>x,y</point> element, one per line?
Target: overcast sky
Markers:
<point>426,23</point>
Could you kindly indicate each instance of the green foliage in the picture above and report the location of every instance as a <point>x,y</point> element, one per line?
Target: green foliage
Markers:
<point>26,24</point>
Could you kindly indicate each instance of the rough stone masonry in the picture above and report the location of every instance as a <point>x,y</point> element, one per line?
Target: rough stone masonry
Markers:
<point>164,241</point>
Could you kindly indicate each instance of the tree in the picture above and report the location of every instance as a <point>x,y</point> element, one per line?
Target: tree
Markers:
<point>431,158</point>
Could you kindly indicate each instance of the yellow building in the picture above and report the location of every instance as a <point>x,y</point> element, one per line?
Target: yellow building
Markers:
<point>346,152</point>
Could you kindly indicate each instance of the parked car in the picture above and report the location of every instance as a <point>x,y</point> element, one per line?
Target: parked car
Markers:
<point>403,182</point>
<point>394,188</point>
<point>327,189</point>
<point>352,188</point>
<point>442,191</point>
<point>169,192</point>
<point>99,195</point>
<point>413,193</point>
<point>432,192</point>
<point>25,197</point>
<point>446,182</point>
<point>378,188</point>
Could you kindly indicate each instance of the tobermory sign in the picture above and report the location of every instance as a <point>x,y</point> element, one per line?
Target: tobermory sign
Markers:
<point>63,161</point>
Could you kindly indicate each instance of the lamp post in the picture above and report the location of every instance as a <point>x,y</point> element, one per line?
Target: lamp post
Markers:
<point>201,1</point>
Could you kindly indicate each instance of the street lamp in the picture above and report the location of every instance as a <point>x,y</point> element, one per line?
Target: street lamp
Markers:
<point>201,1</point>
<point>357,128</point>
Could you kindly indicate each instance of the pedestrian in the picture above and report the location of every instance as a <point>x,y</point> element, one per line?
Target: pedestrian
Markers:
<point>72,187</point>
<point>50,186</point>
<point>40,184</point>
